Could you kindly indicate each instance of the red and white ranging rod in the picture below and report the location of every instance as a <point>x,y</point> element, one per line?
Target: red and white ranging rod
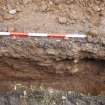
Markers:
<point>21,34</point>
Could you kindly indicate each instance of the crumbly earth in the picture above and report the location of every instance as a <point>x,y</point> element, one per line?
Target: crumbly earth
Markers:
<point>66,64</point>
<point>46,97</point>
<point>55,16</point>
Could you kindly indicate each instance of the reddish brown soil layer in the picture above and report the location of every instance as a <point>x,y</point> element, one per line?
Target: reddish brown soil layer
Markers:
<point>89,78</point>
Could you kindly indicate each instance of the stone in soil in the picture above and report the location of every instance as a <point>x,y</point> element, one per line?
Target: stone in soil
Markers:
<point>62,20</point>
<point>7,16</point>
<point>13,11</point>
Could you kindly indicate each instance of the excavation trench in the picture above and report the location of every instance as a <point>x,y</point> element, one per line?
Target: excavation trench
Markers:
<point>59,64</point>
<point>34,70</point>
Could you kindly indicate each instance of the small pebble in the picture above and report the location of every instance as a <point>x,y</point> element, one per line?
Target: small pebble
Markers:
<point>51,91</point>
<point>76,61</point>
<point>15,88</point>
<point>25,93</point>
<point>54,103</point>
<point>51,51</point>
<point>62,20</point>
<point>12,12</point>
<point>63,97</point>
<point>75,70</point>
<point>97,8</point>
<point>69,92</point>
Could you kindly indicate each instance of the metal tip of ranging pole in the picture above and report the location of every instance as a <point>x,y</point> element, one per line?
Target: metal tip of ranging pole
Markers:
<point>22,34</point>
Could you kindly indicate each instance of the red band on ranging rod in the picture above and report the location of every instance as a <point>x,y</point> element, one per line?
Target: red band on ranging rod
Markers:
<point>18,34</point>
<point>56,35</point>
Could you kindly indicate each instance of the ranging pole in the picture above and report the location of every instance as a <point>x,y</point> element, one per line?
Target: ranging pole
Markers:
<point>20,34</point>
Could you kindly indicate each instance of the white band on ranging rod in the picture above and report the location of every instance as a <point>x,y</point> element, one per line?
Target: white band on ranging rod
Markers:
<point>20,34</point>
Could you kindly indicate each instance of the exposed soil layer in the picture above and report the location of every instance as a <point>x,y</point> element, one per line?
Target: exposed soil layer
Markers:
<point>68,64</point>
<point>45,98</point>
<point>65,64</point>
<point>56,16</point>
